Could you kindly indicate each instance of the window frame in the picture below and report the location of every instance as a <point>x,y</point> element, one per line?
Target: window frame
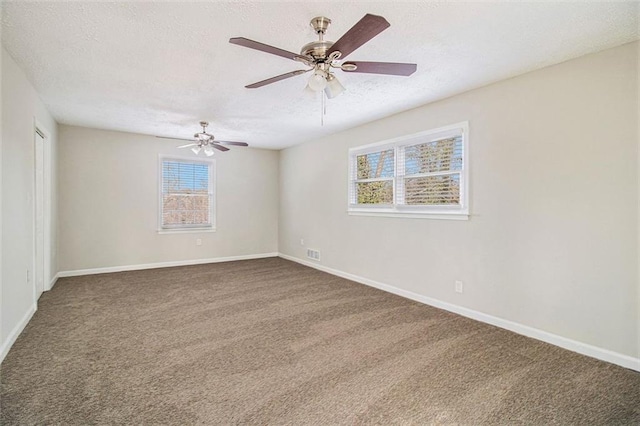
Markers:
<point>454,212</point>
<point>176,229</point>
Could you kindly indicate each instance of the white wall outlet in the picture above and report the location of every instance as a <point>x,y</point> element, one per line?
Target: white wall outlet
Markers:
<point>459,287</point>
<point>198,241</point>
<point>301,241</point>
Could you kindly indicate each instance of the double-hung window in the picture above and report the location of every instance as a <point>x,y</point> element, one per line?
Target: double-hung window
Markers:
<point>420,175</point>
<point>186,194</point>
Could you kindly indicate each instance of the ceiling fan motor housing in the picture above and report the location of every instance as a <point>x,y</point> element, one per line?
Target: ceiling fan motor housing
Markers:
<point>317,49</point>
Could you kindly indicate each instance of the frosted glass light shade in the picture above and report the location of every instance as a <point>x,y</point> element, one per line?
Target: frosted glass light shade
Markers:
<point>208,151</point>
<point>334,88</point>
<point>196,150</point>
<point>318,81</point>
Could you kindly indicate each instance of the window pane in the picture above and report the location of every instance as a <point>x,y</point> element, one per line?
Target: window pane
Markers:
<point>185,193</point>
<point>201,217</point>
<point>375,165</point>
<point>433,190</point>
<point>436,156</point>
<point>375,192</point>
<point>186,210</point>
<point>185,177</point>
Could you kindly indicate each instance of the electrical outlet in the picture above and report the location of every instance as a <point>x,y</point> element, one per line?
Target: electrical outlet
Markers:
<point>459,287</point>
<point>198,241</point>
<point>301,241</point>
<point>28,276</point>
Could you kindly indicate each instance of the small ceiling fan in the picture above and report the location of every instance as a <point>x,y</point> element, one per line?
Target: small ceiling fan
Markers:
<point>206,141</point>
<point>322,56</point>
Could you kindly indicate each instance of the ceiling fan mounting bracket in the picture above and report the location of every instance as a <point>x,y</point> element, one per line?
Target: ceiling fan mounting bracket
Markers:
<point>320,24</point>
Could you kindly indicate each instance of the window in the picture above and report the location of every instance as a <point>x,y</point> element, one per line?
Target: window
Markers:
<point>421,175</point>
<point>186,194</point>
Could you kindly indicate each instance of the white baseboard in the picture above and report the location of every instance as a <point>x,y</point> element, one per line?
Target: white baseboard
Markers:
<point>53,282</point>
<point>563,342</point>
<point>109,269</point>
<point>11,339</point>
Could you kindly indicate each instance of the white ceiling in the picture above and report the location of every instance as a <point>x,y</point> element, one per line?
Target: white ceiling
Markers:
<point>158,68</point>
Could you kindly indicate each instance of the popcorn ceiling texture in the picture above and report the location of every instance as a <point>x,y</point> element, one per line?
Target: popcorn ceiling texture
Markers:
<point>159,68</point>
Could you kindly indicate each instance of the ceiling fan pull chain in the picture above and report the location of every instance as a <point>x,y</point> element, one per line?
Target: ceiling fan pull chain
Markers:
<point>323,108</point>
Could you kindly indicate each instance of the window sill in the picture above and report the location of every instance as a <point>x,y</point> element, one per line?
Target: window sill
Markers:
<point>437,216</point>
<point>185,230</point>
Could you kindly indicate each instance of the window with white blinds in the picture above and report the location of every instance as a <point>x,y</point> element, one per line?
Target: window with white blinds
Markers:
<point>186,194</point>
<point>421,174</point>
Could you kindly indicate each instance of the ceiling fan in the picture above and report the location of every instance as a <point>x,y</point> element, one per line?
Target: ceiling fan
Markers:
<point>206,141</point>
<point>322,56</point>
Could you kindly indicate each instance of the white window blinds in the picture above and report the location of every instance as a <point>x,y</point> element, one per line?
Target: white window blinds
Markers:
<point>421,173</point>
<point>186,194</point>
<point>431,172</point>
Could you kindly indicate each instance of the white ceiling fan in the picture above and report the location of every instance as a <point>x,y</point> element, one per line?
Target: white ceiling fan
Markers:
<point>205,141</point>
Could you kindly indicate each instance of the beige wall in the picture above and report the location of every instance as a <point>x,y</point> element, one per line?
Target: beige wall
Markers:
<point>109,202</point>
<point>552,242</point>
<point>21,108</point>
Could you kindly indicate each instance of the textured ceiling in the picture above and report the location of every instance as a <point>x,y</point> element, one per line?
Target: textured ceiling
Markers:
<point>158,67</point>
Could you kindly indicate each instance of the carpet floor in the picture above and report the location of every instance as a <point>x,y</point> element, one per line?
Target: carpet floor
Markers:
<point>272,342</point>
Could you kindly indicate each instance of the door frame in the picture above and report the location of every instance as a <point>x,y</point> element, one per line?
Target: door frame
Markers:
<point>39,128</point>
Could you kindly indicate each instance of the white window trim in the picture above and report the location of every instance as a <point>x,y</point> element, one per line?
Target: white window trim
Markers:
<point>212,188</point>
<point>428,212</point>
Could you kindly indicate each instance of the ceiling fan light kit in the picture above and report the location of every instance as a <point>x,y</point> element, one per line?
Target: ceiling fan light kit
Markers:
<point>322,55</point>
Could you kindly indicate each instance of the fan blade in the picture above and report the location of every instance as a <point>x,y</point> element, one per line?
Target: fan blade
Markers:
<point>241,41</point>
<point>219,147</point>
<point>187,145</point>
<point>231,143</point>
<point>363,31</point>
<point>276,78</point>
<point>390,68</point>
<point>176,139</point>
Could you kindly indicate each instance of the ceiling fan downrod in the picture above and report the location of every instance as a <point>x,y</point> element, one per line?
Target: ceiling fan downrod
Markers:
<point>318,49</point>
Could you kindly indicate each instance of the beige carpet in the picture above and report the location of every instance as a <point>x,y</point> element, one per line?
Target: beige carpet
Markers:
<point>272,342</point>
